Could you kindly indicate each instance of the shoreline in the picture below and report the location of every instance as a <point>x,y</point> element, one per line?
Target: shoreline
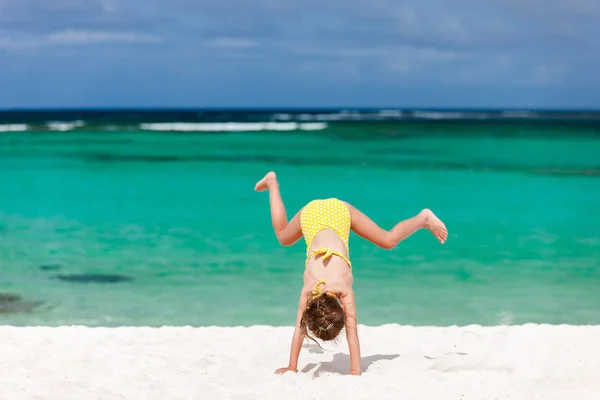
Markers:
<point>394,325</point>
<point>530,361</point>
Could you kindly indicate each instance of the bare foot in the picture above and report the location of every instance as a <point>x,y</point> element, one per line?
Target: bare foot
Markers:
<point>435,225</point>
<point>266,182</point>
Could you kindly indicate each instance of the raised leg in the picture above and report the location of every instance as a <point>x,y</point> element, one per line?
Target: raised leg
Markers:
<point>287,233</point>
<point>364,227</point>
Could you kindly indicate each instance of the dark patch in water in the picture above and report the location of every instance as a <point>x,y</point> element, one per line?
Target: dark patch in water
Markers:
<point>387,164</point>
<point>75,142</point>
<point>107,157</point>
<point>556,171</point>
<point>11,303</point>
<point>137,158</point>
<point>19,307</point>
<point>9,298</point>
<point>49,267</point>
<point>404,151</point>
<point>94,278</point>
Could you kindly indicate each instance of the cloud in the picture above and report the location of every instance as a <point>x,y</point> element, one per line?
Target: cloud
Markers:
<point>383,43</point>
<point>76,37</point>
<point>561,10</point>
<point>399,63</point>
<point>72,36</point>
<point>464,25</point>
<point>31,17</point>
<point>237,43</point>
<point>549,73</point>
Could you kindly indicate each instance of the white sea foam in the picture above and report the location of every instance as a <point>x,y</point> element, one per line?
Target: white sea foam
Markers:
<point>232,126</point>
<point>390,113</point>
<point>336,116</point>
<point>14,128</point>
<point>519,114</point>
<point>438,115</point>
<point>316,126</point>
<point>64,126</point>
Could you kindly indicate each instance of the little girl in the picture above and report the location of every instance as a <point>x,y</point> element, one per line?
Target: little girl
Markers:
<point>327,303</point>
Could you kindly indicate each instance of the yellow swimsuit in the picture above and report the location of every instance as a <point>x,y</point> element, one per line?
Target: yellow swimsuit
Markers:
<point>319,215</point>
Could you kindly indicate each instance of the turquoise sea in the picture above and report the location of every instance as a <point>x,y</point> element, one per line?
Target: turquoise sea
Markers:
<point>150,218</point>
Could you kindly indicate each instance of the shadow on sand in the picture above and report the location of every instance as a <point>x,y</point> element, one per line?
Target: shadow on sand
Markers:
<point>341,363</point>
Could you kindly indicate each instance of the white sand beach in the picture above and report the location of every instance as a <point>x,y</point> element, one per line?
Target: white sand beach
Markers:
<point>399,362</point>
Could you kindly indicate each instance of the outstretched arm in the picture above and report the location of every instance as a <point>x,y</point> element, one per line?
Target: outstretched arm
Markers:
<point>296,338</point>
<point>287,233</point>
<point>352,333</point>
<point>364,227</point>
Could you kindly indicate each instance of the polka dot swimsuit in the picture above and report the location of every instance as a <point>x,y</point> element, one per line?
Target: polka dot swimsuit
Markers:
<point>325,214</point>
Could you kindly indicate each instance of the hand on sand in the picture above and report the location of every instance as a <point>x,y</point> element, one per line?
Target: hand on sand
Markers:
<point>266,182</point>
<point>434,225</point>
<point>282,371</point>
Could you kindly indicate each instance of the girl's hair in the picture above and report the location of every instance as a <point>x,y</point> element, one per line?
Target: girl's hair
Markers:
<point>323,317</point>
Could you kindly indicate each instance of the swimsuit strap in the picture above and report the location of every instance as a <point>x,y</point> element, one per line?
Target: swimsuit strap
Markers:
<point>318,292</point>
<point>327,252</point>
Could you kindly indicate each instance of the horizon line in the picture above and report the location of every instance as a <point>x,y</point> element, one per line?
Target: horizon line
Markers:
<point>296,108</point>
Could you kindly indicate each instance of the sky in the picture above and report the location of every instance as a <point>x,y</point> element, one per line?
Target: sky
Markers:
<point>280,53</point>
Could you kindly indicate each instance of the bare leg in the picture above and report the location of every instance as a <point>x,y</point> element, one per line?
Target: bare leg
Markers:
<point>366,228</point>
<point>425,219</point>
<point>278,213</point>
<point>287,233</point>
<point>434,225</point>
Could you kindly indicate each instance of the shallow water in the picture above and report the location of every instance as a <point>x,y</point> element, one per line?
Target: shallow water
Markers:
<point>176,213</point>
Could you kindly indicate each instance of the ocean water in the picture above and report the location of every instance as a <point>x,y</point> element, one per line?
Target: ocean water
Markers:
<point>150,218</point>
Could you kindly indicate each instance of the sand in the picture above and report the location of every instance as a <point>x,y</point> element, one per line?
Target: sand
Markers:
<point>399,362</point>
